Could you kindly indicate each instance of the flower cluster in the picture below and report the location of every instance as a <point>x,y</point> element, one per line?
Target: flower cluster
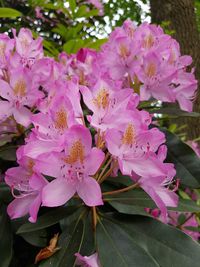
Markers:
<point>82,117</point>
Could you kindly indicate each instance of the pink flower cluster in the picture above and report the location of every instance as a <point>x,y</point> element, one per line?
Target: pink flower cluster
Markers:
<point>83,118</point>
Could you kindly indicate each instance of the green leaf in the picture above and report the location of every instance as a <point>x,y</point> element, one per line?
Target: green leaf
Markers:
<point>96,44</point>
<point>5,237</point>
<point>9,13</point>
<point>5,194</point>
<point>72,4</point>
<point>174,112</point>
<point>48,219</point>
<point>117,248</point>
<point>186,162</point>
<point>8,152</point>
<point>192,228</point>
<point>186,205</point>
<point>37,238</point>
<point>70,243</point>
<point>132,202</point>
<point>167,245</point>
<point>72,46</point>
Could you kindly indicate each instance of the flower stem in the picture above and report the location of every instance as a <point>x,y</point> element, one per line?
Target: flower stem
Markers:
<point>94,218</point>
<point>104,169</point>
<point>128,188</point>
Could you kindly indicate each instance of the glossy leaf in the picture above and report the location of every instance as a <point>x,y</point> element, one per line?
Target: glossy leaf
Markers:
<point>186,161</point>
<point>5,237</point>
<point>69,243</point>
<point>177,249</point>
<point>9,13</point>
<point>50,218</point>
<point>117,248</point>
<point>167,245</point>
<point>174,112</point>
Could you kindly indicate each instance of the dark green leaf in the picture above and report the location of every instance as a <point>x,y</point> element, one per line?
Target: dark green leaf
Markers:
<point>186,205</point>
<point>186,162</point>
<point>8,152</point>
<point>5,237</point>
<point>192,228</point>
<point>119,249</point>
<point>9,13</point>
<point>5,194</point>
<point>37,238</point>
<point>175,112</point>
<point>70,243</point>
<point>48,219</point>
<point>166,244</point>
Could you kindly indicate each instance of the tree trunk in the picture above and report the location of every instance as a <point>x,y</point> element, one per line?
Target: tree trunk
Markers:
<point>182,18</point>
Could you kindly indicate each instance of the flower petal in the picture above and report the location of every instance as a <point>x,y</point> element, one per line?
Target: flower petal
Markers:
<point>90,192</point>
<point>57,193</point>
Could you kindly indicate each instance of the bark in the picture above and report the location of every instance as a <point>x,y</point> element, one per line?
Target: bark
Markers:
<point>182,18</point>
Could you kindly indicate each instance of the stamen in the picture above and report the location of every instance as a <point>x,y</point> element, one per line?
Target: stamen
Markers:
<point>20,88</point>
<point>151,69</point>
<point>102,99</point>
<point>124,52</point>
<point>76,153</point>
<point>61,121</point>
<point>2,49</point>
<point>129,135</point>
<point>148,41</point>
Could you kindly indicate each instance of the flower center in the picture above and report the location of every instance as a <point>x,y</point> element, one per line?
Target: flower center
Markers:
<point>129,135</point>
<point>102,99</point>
<point>20,88</point>
<point>76,153</point>
<point>151,69</point>
<point>61,120</point>
<point>2,49</point>
<point>148,41</point>
<point>124,52</point>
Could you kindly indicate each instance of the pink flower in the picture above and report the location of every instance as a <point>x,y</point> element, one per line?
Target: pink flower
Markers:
<point>29,184</point>
<point>190,221</point>
<point>90,261</point>
<point>6,47</point>
<point>19,92</point>
<point>27,48</point>
<point>106,104</point>
<point>50,127</point>
<point>72,169</point>
<point>134,148</point>
<point>157,186</point>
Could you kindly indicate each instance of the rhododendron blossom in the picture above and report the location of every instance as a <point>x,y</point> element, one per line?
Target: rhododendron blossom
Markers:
<point>82,119</point>
<point>90,261</point>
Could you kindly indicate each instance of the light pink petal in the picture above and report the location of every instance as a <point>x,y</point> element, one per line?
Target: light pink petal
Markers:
<point>185,104</point>
<point>79,133</point>
<point>5,90</point>
<point>159,202</point>
<point>37,181</point>
<point>89,191</point>
<point>34,208</point>
<point>93,161</point>
<point>91,261</point>
<point>143,166</point>
<point>113,141</point>
<point>48,164</point>
<point>57,192</point>
<point>19,207</point>
<point>5,110</point>
<point>39,147</point>
<point>22,116</point>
